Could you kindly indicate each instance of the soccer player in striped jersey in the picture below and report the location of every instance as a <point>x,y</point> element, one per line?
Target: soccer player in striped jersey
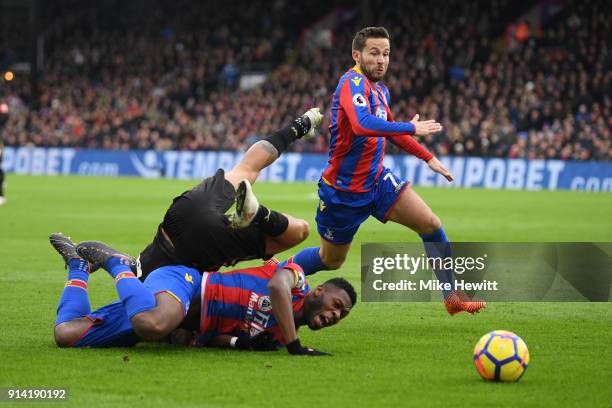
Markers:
<point>355,184</point>
<point>240,305</point>
<point>258,308</point>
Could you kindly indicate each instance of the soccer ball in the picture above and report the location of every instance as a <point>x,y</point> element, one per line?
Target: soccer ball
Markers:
<point>501,356</point>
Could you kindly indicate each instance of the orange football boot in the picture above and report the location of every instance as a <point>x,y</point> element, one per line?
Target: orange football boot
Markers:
<point>457,302</point>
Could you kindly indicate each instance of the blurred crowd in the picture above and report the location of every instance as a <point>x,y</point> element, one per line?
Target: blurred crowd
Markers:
<point>156,74</point>
<point>168,79</point>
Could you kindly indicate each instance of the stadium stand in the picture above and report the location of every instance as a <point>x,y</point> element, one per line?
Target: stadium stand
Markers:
<point>166,76</point>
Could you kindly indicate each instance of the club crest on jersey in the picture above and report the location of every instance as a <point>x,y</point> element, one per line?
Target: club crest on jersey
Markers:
<point>256,319</point>
<point>301,280</point>
<point>264,304</point>
<point>359,100</point>
<point>356,80</point>
<point>381,113</point>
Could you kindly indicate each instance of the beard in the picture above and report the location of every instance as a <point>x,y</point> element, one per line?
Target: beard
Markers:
<point>372,76</point>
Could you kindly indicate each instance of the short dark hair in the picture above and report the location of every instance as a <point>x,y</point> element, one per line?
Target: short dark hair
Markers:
<point>345,285</point>
<point>369,32</point>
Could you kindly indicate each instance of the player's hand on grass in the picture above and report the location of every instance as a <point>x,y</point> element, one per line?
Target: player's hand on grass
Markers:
<point>436,166</point>
<point>425,127</point>
<point>295,348</point>
<point>263,341</point>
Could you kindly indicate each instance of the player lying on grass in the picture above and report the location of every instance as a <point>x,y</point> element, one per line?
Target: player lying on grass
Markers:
<point>259,308</point>
<point>195,231</point>
<point>355,185</point>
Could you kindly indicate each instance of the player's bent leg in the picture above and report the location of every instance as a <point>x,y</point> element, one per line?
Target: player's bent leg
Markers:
<point>326,257</point>
<point>333,255</point>
<point>265,152</point>
<point>337,224</point>
<point>68,333</point>
<point>297,231</point>
<point>175,287</point>
<point>157,323</point>
<point>258,157</point>
<point>411,211</point>
<point>73,305</point>
<point>135,297</point>
<point>311,259</point>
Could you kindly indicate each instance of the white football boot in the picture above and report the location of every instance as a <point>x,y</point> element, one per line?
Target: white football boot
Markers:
<point>246,206</point>
<point>315,117</point>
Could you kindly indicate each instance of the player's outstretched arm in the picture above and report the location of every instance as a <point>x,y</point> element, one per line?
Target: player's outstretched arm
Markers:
<point>263,341</point>
<point>364,123</point>
<point>280,296</point>
<point>425,127</point>
<point>354,100</point>
<point>410,145</point>
<point>439,168</point>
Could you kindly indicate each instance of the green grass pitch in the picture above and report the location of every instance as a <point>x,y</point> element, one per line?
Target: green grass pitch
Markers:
<point>393,354</point>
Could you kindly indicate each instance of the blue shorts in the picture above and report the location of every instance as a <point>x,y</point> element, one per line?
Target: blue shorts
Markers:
<point>340,213</point>
<point>180,282</point>
<point>110,326</point>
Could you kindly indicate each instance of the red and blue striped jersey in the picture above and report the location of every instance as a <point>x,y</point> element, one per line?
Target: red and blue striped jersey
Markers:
<point>360,123</point>
<point>238,302</point>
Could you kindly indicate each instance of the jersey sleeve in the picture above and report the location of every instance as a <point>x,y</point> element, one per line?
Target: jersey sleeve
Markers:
<point>354,101</point>
<point>299,283</point>
<point>406,142</point>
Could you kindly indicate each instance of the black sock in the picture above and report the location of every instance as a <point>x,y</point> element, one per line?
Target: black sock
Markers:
<point>271,222</point>
<point>1,182</point>
<point>303,124</point>
<point>281,139</point>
